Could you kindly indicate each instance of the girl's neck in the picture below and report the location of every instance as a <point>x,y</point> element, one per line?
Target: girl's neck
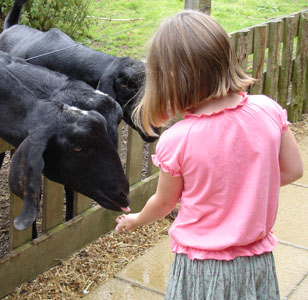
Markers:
<point>217,104</point>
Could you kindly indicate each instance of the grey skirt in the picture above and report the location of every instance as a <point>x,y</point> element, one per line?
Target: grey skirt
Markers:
<point>243,278</point>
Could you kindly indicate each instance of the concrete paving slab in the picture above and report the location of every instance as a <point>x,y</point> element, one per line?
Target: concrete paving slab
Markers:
<point>116,289</point>
<point>292,267</point>
<point>152,269</point>
<point>301,293</point>
<point>292,221</point>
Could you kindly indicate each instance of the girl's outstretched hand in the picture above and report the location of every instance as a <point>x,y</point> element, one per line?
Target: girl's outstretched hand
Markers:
<point>168,192</point>
<point>127,222</point>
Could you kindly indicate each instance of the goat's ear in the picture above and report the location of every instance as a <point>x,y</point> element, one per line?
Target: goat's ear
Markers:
<point>25,179</point>
<point>106,81</point>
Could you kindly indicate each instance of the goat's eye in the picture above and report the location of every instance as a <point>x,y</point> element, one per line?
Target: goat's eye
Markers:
<point>77,149</point>
<point>125,86</point>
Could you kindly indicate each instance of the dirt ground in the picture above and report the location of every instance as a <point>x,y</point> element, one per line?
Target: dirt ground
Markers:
<point>76,276</point>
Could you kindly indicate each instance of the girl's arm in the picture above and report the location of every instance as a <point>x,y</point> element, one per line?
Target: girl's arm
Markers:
<point>168,192</point>
<point>290,161</point>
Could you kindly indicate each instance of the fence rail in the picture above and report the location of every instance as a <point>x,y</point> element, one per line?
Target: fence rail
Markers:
<point>276,53</point>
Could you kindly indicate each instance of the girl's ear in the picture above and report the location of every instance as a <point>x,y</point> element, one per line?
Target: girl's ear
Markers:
<point>25,178</point>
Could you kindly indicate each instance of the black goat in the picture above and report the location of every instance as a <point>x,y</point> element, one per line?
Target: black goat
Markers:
<point>68,145</point>
<point>119,77</point>
<point>46,84</point>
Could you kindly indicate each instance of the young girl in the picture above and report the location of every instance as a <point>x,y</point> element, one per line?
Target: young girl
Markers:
<point>225,161</point>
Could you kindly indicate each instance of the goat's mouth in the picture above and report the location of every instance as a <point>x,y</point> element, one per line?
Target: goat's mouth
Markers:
<point>121,202</point>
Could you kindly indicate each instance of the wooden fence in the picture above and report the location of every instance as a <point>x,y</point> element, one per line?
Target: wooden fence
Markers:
<point>274,52</point>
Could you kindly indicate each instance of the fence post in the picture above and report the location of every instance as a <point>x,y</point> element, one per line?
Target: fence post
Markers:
<point>258,58</point>
<point>285,72</point>
<point>299,71</point>
<point>272,72</point>
<point>135,147</point>
<point>241,42</point>
<point>53,195</point>
<point>17,237</point>
<point>202,5</point>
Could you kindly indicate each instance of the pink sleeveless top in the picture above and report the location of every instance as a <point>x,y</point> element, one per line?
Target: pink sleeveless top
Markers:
<point>229,163</point>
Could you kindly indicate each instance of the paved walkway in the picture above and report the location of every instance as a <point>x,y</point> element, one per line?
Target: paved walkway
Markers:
<point>146,277</point>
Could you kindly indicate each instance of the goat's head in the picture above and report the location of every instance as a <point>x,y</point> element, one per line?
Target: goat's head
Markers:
<point>112,112</point>
<point>123,80</point>
<point>87,98</point>
<point>74,150</point>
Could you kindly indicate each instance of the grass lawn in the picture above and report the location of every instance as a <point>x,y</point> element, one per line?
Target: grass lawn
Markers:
<point>124,27</point>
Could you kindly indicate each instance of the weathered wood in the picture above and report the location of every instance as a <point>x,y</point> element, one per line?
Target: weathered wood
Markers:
<point>272,72</point>
<point>201,5</point>
<point>53,196</point>
<point>17,237</point>
<point>233,41</point>
<point>305,59</point>
<point>299,72</point>
<point>4,146</point>
<point>151,167</point>
<point>135,147</point>
<point>305,104</point>
<point>35,257</point>
<point>120,130</point>
<point>286,60</point>
<point>258,58</point>
<point>243,42</point>
<point>81,203</point>
<point>142,191</point>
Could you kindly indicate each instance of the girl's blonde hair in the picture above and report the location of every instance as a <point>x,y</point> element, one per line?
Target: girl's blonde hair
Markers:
<point>190,60</point>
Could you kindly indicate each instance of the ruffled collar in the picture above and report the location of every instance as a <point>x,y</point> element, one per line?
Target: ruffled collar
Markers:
<point>240,104</point>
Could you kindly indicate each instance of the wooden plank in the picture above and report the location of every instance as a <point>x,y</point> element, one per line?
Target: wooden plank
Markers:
<point>272,72</point>
<point>258,58</point>
<point>205,6</point>
<point>305,108</point>
<point>299,71</point>
<point>243,39</point>
<point>4,146</point>
<point>135,147</point>
<point>201,5</point>
<point>81,203</point>
<point>120,128</point>
<point>142,191</point>
<point>305,76</point>
<point>232,37</point>
<point>286,60</point>
<point>53,198</point>
<point>17,237</point>
<point>152,169</point>
<point>35,257</point>
<point>250,42</point>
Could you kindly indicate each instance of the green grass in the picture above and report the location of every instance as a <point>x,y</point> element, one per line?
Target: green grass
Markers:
<point>144,17</point>
<point>121,38</point>
<point>234,15</point>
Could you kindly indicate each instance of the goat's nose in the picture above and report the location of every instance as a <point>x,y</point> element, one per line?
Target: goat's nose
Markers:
<point>124,198</point>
